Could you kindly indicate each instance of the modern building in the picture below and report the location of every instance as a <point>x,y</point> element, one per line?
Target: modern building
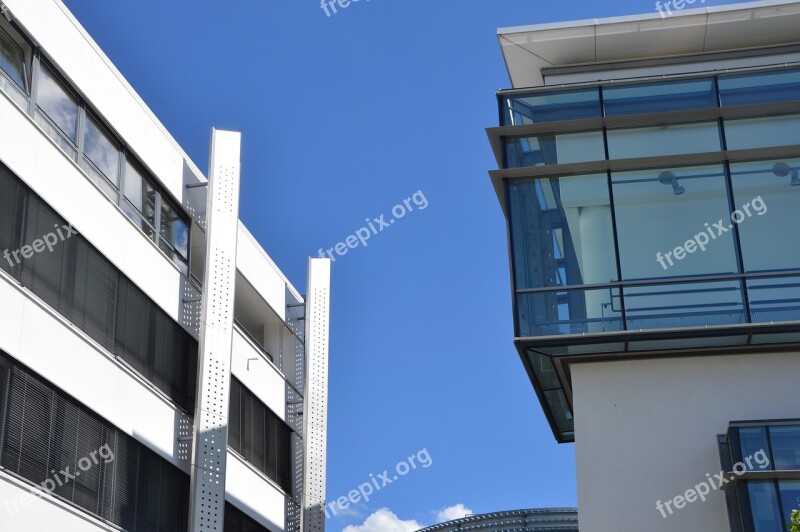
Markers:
<point>649,175</point>
<point>158,372</point>
<point>540,519</point>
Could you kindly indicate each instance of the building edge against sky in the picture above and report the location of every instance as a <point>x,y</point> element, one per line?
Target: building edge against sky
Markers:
<point>650,178</point>
<point>103,218</point>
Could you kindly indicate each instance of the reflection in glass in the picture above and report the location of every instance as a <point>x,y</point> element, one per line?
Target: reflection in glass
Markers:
<point>659,212</point>
<point>661,96</point>
<point>174,229</point>
<point>764,507</point>
<point>544,370</point>
<point>751,441</point>
<point>101,150</point>
<point>12,59</point>
<point>790,498</point>
<point>569,312</point>
<point>551,106</point>
<point>760,87</point>
<point>768,193</point>
<point>554,149</point>
<point>141,194</point>
<point>561,231</point>
<point>684,305</point>
<point>785,447</point>
<point>58,104</point>
<point>764,132</point>
<point>672,139</point>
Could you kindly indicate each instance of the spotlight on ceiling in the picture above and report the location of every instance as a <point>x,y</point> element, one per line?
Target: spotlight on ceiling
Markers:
<point>783,169</point>
<point>668,178</point>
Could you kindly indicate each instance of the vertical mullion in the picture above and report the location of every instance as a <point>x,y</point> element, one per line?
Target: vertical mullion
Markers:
<point>157,217</point>
<point>34,83</point>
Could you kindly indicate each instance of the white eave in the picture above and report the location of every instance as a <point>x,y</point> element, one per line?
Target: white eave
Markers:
<point>529,49</point>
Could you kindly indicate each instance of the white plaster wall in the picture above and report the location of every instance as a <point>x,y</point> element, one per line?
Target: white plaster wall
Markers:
<point>647,431</point>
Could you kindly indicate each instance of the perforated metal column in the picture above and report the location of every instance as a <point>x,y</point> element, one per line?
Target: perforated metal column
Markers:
<point>216,336</point>
<point>315,411</point>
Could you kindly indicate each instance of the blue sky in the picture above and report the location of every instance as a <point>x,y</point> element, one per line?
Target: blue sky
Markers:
<point>344,117</point>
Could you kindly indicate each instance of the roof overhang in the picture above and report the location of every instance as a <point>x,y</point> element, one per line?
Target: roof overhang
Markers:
<point>528,50</point>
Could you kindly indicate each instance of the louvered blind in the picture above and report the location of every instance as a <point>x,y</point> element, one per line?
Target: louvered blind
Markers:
<point>82,285</point>
<point>237,521</point>
<point>50,439</point>
<point>260,436</point>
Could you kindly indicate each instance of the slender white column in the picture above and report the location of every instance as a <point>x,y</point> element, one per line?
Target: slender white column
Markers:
<point>315,410</point>
<point>207,507</point>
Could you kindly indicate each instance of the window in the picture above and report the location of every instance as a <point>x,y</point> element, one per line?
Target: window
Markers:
<point>238,521</point>
<point>125,482</point>
<point>669,139</point>
<point>12,59</point>
<point>551,106</point>
<point>14,65</point>
<point>763,132</point>
<point>101,157</point>
<point>140,194</point>
<point>762,504</point>
<point>554,149</point>
<point>57,111</point>
<point>260,436</point>
<point>770,190</point>
<point>658,97</point>
<point>84,287</point>
<point>174,231</point>
<point>761,87</point>
<point>659,210</point>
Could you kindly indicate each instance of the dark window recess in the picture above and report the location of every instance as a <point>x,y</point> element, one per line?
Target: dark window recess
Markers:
<point>44,430</point>
<point>260,436</point>
<point>237,521</point>
<point>85,288</point>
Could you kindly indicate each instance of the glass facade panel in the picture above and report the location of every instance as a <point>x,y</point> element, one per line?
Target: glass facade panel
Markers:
<point>774,300</point>
<point>141,194</point>
<point>764,507</point>
<point>659,97</point>
<point>559,406</point>
<point>569,312</point>
<point>12,59</point>
<point>101,150</point>
<point>767,194</point>
<point>672,139</point>
<point>544,370</point>
<point>762,87</point>
<point>763,132</point>
<point>551,106</point>
<point>790,498</point>
<point>174,230</point>
<point>665,222</point>
<point>60,106</point>
<point>684,305</point>
<point>785,447</point>
<point>751,441</point>
<point>554,149</point>
<point>561,231</point>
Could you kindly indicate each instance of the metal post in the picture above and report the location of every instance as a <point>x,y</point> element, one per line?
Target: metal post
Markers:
<point>210,446</point>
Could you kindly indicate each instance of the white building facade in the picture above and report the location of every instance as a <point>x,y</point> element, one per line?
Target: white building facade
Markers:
<point>107,243</point>
<point>650,177</point>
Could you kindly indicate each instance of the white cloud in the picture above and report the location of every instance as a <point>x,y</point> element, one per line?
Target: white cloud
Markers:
<point>452,512</point>
<point>384,520</point>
